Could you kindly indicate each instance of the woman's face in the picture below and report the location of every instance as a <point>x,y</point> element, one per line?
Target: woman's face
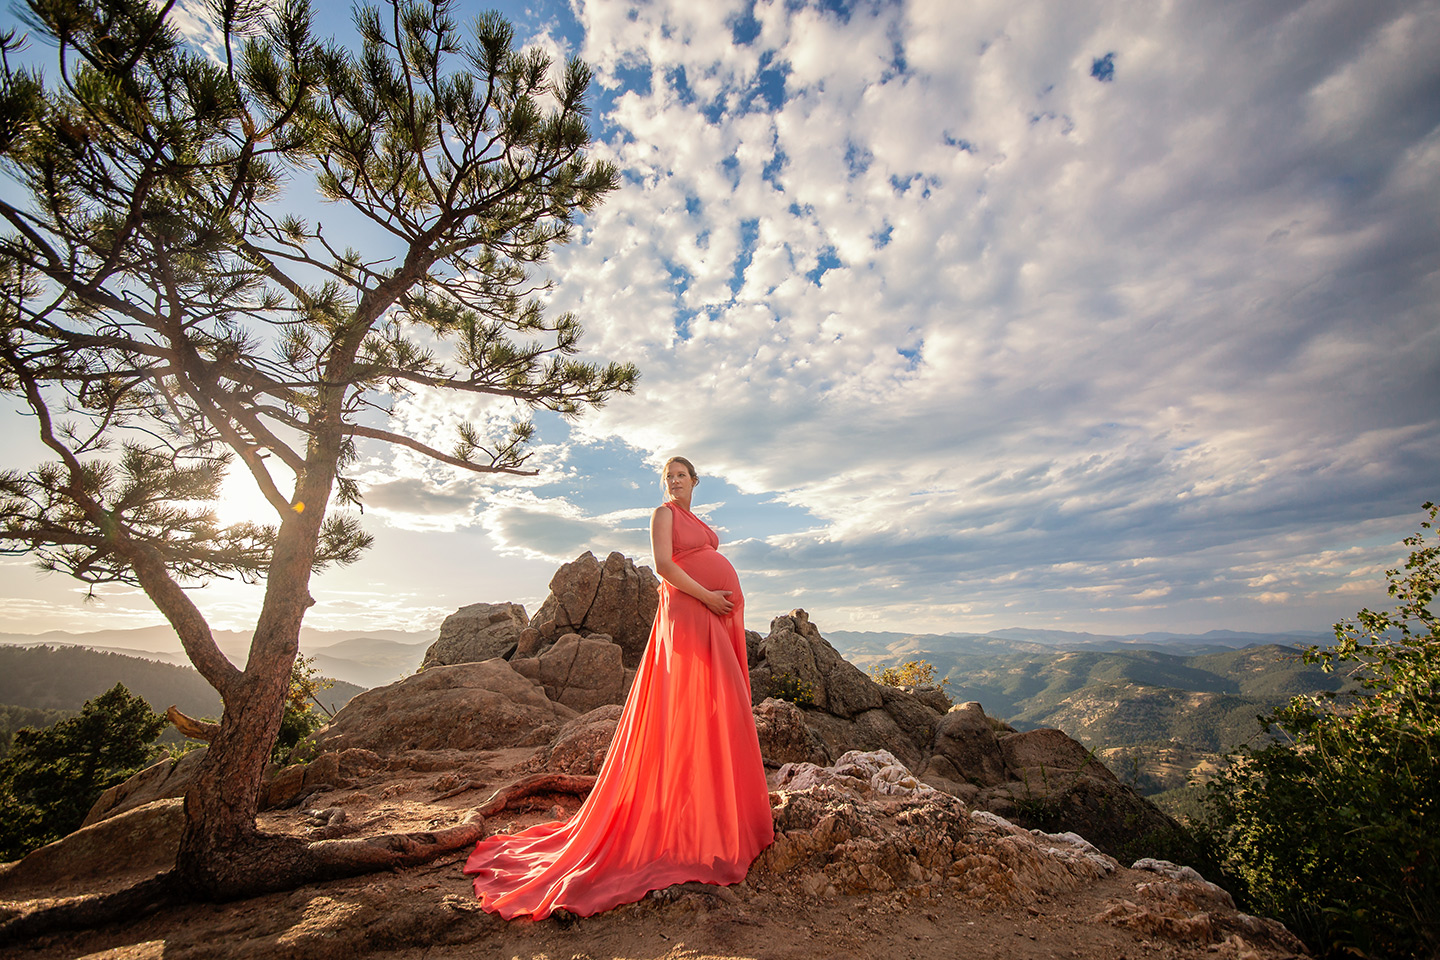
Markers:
<point>678,482</point>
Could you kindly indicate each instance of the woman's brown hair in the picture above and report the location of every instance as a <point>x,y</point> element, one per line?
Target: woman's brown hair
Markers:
<point>681,460</point>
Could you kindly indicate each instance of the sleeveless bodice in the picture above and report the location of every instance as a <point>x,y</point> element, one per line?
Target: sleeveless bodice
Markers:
<point>694,547</point>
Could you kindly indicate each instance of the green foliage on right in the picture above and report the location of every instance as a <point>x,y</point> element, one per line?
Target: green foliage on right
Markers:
<point>300,718</point>
<point>1332,827</point>
<point>52,777</point>
<point>912,673</point>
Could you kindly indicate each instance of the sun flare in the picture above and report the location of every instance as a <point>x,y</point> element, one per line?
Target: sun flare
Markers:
<point>240,498</point>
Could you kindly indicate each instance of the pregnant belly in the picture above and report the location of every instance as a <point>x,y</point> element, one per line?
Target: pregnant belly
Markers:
<point>712,571</point>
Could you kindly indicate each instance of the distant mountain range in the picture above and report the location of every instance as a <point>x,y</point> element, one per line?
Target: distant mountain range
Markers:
<point>1109,691</point>
<point>43,683</point>
<point>363,658</point>
<point>56,677</point>
<point>1162,708</point>
<point>1015,639</point>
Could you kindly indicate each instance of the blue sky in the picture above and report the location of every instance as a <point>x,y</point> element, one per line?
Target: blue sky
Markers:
<point>1097,316</point>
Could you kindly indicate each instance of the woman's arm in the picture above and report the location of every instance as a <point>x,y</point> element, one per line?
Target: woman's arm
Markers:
<point>662,545</point>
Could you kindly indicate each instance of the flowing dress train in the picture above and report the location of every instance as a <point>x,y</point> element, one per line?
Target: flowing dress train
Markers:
<point>681,795</point>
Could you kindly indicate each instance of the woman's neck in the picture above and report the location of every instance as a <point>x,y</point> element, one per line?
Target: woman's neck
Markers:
<point>682,503</point>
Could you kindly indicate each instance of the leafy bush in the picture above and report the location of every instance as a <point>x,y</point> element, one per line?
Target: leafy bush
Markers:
<point>1332,827</point>
<point>300,718</point>
<point>911,673</point>
<point>784,686</point>
<point>53,776</point>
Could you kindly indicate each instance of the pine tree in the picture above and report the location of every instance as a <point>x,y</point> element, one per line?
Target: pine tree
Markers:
<point>53,775</point>
<point>165,317</point>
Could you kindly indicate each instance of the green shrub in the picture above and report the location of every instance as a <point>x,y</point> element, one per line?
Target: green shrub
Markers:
<point>911,673</point>
<point>784,686</point>
<point>300,718</point>
<point>53,776</point>
<point>1332,826</point>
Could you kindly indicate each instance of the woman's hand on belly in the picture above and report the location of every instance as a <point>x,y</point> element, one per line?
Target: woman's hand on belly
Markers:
<point>718,601</point>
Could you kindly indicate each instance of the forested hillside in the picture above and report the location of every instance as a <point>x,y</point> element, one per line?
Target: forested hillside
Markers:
<point>56,681</point>
<point>17,718</point>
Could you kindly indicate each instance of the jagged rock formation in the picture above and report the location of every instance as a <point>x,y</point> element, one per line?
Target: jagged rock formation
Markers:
<point>615,598</point>
<point>480,631</point>
<point>580,672</point>
<point>464,706</point>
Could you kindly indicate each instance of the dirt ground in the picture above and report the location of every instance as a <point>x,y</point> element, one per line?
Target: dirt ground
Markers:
<point>430,912</point>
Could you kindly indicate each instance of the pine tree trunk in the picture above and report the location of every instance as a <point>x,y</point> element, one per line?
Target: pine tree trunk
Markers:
<point>223,855</point>
<point>218,847</point>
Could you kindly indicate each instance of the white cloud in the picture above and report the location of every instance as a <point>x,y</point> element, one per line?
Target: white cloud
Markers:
<point>192,20</point>
<point>997,339</point>
<point>1141,318</point>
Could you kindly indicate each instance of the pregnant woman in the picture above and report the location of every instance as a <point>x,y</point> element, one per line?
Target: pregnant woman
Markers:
<point>682,793</point>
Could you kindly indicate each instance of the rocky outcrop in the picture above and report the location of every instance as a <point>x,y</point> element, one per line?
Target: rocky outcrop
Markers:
<point>1040,778</point>
<point>580,747</point>
<point>480,631</point>
<point>1181,905</point>
<point>795,651</point>
<point>161,780</point>
<point>867,824</point>
<point>580,672</point>
<point>140,840</point>
<point>615,598</point>
<point>336,769</point>
<point>466,706</point>
<point>965,752</point>
<point>874,774</point>
<point>785,737</point>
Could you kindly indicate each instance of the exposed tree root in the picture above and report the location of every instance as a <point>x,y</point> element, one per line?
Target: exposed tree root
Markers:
<point>271,863</point>
<point>80,913</point>
<point>268,864</point>
<point>510,796</point>
<point>346,858</point>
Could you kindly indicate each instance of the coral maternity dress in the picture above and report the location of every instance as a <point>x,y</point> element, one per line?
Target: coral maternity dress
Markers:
<point>682,793</point>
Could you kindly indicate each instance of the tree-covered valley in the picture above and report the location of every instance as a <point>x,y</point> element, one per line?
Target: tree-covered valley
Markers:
<point>1161,713</point>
